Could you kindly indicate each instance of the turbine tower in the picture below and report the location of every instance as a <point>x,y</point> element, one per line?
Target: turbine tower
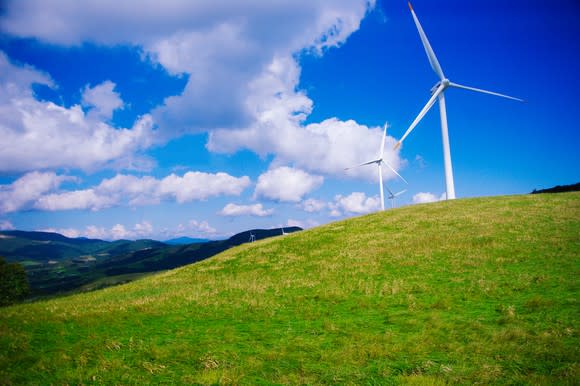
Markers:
<point>380,161</point>
<point>392,196</point>
<point>438,93</point>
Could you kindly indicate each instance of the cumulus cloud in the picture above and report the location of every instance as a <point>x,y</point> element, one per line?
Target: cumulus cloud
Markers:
<point>40,191</point>
<point>200,186</point>
<point>327,147</point>
<point>202,227</point>
<point>312,205</point>
<point>192,186</point>
<point>286,184</point>
<point>425,197</point>
<point>323,23</point>
<point>233,210</point>
<point>102,99</point>
<point>39,135</point>
<point>302,224</point>
<point>354,203</point>
<point>420,161</point>
<point>78,199</point>
<point>140,230</point>
<point>28,188</point>
<point>6,225</point>
<point>192,228</point>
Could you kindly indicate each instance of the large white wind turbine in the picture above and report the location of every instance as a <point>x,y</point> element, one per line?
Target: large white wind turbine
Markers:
<point>380,161</point>
<point>438,93</point>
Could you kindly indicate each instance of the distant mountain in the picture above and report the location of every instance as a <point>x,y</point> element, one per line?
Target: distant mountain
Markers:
<point>185,240</point>
<point>559,189</point>
<point>48,236</point>
<point>44,246</point>
<point>55,263</point>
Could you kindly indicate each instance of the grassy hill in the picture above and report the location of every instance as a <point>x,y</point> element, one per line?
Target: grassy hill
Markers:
<point>471,291</point>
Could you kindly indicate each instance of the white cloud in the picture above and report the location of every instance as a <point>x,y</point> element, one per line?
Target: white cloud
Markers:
<point>202,227</point>
<point>39,135</point>
<point>312,205</point>
<point>279,111</point>
<point>78,199</point>
<point>245,210</point>
<point>200,186</point>
<point>425,197</point>
<point>40,191</point>
<point>16,81</point>
<point>118,231</point>
<point>286,184</point>
<point>140,230</point>
<point>420,161</point>
<point>322,23</point>
<point>302,224</point>
<point>355,203</point>
<point>68,232</point>
<point>102,99</point>
<point>192,228</point>
<point>28,188</point>
<point>6,225</point>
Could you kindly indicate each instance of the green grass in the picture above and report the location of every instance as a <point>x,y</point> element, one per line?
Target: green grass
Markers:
<point>471,291</point>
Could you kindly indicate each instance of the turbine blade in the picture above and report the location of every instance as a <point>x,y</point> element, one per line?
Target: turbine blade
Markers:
<point>383,142</point>
<point>389,190</point>
<point>394,171</point>
<point>421,114</point>
<point>369,163</point>
<point>366,163</point>
<point>484,91</point>
<point>401,192</point>
<point>428,50</point>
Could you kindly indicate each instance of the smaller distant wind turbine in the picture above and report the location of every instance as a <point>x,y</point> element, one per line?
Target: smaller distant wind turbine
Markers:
<point>380,161</point>
<point>392,196</point>
<point>438,92</point>
<point>252,238</point>
<point>283,233</point>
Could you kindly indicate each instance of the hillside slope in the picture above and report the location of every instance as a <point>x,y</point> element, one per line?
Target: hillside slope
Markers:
<point>476,290</point>
<point>19,246</point>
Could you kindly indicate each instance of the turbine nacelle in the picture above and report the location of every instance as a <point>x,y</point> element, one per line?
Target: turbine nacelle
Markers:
<point>445,82</point>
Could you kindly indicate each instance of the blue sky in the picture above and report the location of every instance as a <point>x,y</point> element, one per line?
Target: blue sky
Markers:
<point>203,119</point>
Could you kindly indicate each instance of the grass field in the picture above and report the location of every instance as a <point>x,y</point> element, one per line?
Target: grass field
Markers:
<point>470,291</point>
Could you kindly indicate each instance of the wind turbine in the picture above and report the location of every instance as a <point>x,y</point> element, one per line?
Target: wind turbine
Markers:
<point>438,93</point>
<point>392,196</point>
<point>380,161</point>
<point>252,237</point>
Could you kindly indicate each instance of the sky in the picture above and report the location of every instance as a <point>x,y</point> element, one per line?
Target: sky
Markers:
<point>149,119</point>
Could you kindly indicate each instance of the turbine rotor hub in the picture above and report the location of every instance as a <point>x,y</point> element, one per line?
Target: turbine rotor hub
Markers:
<point>445,82</point>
